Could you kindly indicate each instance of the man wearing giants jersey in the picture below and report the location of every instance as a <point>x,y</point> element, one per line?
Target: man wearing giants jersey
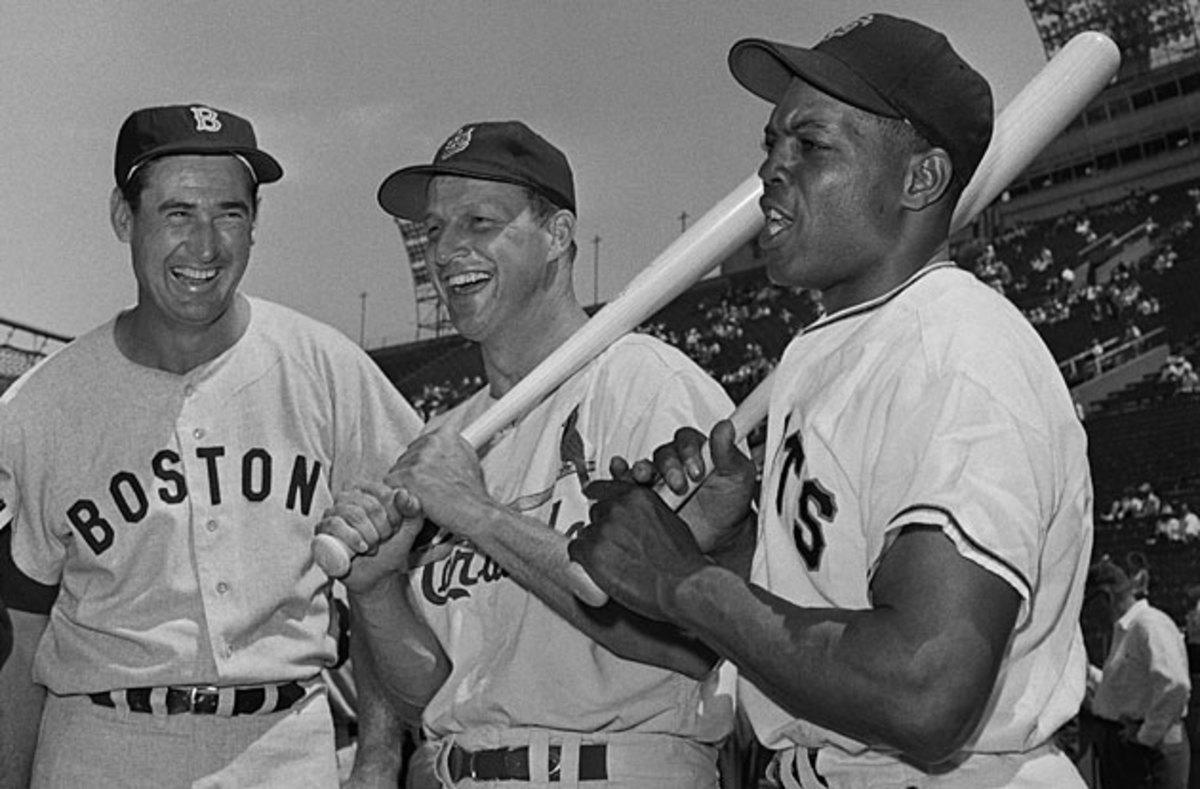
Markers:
<point>529,685</point>
<point>924,523</point>
<point>166,471</point>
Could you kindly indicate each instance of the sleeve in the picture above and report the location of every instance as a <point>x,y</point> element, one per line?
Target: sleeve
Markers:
<point>17,589</point>
<point>1169,682</point>
<point>650,398</point>
<point>951,456</point>
<point>374,422</point>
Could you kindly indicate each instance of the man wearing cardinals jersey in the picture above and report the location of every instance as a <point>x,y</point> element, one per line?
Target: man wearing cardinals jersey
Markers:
<point>529,686</point>
<point>166,471</point>
<point>924,522</point>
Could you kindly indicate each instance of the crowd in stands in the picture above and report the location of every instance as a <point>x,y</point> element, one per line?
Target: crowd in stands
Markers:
<point>1172,520</point>
<point>433,399</point>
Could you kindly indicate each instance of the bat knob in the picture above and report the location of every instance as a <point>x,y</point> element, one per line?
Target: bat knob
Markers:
<point>584,587</point>
<point>332,555</point>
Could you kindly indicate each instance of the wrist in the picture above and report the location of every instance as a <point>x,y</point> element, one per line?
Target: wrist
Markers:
<point>382,592</point>
<point>693,597</point>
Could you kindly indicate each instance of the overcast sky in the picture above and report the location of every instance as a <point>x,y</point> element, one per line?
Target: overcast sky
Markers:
<point>636,93</point>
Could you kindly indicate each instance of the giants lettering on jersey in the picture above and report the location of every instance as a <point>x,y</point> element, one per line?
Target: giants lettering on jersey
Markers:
<point>803,502</point>
<point>129,497</point>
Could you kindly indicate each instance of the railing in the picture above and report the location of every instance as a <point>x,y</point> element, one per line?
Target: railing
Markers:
<point>1114,351</point>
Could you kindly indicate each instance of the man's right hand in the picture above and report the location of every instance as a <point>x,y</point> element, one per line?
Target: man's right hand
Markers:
<point>720,505</point>
<point>379,524</point>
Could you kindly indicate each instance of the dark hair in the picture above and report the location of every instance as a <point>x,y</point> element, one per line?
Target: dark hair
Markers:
<point>907,139</point>
<point>135,184</point>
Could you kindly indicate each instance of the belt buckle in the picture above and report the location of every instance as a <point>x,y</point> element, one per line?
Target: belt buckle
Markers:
<point>194,691</point>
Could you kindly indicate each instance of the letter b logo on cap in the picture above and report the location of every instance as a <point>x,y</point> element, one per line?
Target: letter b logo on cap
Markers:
<point>206,119</point>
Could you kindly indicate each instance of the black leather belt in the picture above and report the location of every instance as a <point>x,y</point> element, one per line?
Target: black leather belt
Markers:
<point>512,764</point>
<point>204,699</point>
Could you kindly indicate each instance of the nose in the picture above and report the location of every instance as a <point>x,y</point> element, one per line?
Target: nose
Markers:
<point>773,169</point>
<point>449,244</point>
<point>203,240</point>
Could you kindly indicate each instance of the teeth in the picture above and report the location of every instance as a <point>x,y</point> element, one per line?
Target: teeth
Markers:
<point>195,273</point>
<point>776,221</point>
<point>468,278</point>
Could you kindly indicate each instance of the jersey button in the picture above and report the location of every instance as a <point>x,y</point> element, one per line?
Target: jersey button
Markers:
<point>222,587</point>
<point>189,390</point>
<point>198,433</point>
<point>211,525</point>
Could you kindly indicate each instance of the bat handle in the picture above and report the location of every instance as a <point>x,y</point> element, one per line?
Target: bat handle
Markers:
<point>332,555</point>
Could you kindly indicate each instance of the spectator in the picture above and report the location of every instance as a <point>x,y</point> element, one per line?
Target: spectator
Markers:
<point>1190,522</point>
<point>1141,694</point>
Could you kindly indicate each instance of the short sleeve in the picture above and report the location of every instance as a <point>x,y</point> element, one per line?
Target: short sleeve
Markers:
<point>375,422</point>
<point>953,457</point>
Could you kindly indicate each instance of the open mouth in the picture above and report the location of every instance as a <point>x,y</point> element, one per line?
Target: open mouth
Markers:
<point>776,222</point>
<point>193,276</point>
<point>467,282</point>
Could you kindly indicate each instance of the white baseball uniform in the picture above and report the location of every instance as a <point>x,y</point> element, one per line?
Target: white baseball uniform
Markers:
<point>935,404</point>
<point>520,671</point>
<point>176,512</point>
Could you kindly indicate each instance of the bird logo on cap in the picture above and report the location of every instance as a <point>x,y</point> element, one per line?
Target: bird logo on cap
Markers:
<point>457,143</point>
<point>862,21</point>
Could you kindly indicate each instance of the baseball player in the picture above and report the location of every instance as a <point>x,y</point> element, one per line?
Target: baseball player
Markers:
<point>924,521</point>
<point>166,470</point>
<point>541,690</point>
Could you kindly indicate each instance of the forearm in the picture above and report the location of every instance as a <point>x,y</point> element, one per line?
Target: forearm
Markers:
<point>21,708</point>
<point>1169,705</point>
<point>861,673</point>
<point>379,756</point>
<point>403,658</point>
<point>535,556</point>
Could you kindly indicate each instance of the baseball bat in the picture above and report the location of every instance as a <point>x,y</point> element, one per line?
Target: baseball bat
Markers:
<point>1028,123</point>
<point>1039,112</point>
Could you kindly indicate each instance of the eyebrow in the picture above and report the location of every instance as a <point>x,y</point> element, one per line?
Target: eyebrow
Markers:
<point>173,203</point>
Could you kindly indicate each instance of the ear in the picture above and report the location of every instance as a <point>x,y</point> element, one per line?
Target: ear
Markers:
<point>928,178</point>
<point>561,227</point>
<point>120,214</point>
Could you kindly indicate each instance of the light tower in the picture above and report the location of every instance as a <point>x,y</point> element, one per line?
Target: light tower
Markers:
<point>431,312</point>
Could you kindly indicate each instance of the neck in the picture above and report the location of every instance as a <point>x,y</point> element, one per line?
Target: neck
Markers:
<point>144,339</point>
<point>509,357</point>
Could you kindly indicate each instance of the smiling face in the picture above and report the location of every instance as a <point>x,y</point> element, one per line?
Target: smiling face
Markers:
<point>190,240</point>
<point>832,181</point>
<point>493,257</point>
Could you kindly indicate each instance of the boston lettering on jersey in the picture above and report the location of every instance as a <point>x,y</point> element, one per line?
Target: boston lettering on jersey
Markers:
<point>815,506</point>
<point>129,497</point>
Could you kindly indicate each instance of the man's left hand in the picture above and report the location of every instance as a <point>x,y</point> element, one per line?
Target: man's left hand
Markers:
<point>635,548</point>
<point>442,471</point>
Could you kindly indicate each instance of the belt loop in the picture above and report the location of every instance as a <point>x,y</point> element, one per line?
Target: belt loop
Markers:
<point>120,699</point>
<point>441,762</point>
<point>225,701</point>
<point>568,762</point>
<point>158,701</point>
<point>539,756</point>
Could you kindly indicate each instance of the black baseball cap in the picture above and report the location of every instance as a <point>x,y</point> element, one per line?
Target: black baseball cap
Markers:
<point>507,151</point>
<point>888,66</point>
<point>152,132</point>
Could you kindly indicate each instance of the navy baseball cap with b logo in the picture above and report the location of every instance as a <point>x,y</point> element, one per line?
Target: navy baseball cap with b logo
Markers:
<point>507,151</point>
<point>189,129</point>
<point>888,66</point>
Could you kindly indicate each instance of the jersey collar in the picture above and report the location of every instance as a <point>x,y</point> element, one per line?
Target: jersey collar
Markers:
<point>878,301</point>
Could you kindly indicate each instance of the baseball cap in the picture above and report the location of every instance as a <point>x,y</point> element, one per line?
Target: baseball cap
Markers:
<point>507,151</point>
<point>152,132</point>
<point>887,66</point>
